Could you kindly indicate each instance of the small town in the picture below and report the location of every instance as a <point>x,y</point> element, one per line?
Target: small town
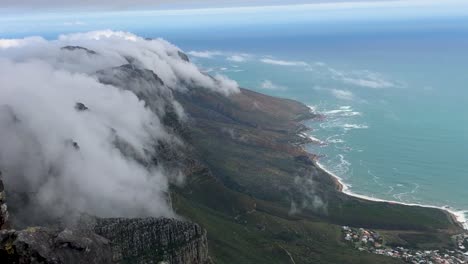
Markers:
<point>371,241</point>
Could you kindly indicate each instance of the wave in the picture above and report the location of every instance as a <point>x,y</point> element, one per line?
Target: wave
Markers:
<point>313,139</point>
<point>343,166</point>
<point>343,111</point>
<point>460,215</point>
<point>334,140</point>
<point>316,140</point>
<point>312,108</point>
<point>354,126</point>
<point>336,118</point>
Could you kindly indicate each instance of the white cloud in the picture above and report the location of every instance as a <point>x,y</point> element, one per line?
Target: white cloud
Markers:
<point>374,83</point>
<point>204,54</point>
<point>283,62</point>
<point>269,85</point>
<point>96,161</point>
<point>342,94</point>
<point>236,7</point>
<point>10,43</point>
<point>74,23</point>
<point>237,58</point>
<point>364,78</point>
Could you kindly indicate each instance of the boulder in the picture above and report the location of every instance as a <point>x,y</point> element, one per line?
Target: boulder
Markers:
<point>53,246</point>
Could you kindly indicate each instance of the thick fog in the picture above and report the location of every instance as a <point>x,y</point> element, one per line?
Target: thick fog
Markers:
<point>60,121</point>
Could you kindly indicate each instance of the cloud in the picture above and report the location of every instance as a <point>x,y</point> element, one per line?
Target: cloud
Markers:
<point>116,4</point>
<point>98,157</point>
<point>237,6</point>
<point>237,58</point>
<point>373,83</point>
<point>283,62</point>
<point>209,54</point>
<point>364,78</point>
<point>10,43</point>
<point>204,54</point>
<point>310,199</point>
<point>342,94</point>
<point>269,85</point>
<point>74,23</point>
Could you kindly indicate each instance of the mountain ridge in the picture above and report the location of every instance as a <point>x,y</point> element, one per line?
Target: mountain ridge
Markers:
<point>236,170</point>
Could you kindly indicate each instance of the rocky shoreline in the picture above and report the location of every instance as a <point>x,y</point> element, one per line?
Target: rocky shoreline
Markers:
<point>341,187</point>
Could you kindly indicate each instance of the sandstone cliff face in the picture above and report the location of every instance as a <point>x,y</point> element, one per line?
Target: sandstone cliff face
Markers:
<point>102,241</point>
<point>155,240</point>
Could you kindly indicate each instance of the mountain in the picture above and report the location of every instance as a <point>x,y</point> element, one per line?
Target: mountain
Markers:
<point>263,199</point>
<point>191,169</point>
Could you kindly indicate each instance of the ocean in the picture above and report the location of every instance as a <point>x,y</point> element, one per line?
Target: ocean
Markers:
<point>393,93</point>
<point>395,123</point>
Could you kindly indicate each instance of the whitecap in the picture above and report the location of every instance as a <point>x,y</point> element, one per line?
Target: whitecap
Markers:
<point>312,108</point>
<point>460,215</point>
<point>316,140</point>
<point>354,126</point>
<point>335,141</point>
<point>342,111</point>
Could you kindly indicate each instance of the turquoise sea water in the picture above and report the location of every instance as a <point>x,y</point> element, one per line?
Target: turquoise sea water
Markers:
<point>395,103</point>
<point>394,94</point>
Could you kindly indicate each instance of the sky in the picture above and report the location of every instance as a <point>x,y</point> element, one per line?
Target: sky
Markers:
<point>166,4</point>
<point>38,6</point>
<point>22,17</point>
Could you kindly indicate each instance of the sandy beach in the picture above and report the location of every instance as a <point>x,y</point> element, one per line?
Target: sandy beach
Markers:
<point>456,216</point>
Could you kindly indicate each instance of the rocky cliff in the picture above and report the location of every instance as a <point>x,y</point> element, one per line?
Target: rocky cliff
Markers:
<point>3,206</point>
<point>248,181</point>
<point>153,240</point>
<point>102,241</point>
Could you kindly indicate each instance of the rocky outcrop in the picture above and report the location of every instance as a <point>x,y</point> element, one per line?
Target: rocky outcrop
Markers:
<point>3,206</point>
<point>49,245</point>
<point>103,241</point>
<point>52,246</point>
<point>183,56</point>
<point>73,48</point>
<point>81,107</point>
<point>155,240</point>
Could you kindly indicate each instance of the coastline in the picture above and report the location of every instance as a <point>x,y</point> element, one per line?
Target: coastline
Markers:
<point>457,216</point>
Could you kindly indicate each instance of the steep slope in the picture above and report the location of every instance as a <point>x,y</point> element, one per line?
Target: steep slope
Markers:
<point>262,198</point>
<point>129,131</point>
<point>104,241</point>
<point>151,240</point>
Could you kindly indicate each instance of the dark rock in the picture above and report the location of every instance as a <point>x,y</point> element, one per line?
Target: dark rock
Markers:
<point>2,187</point>
<point>81,107</point>
<point>304,159</point>
<point>149,88</point>
<point>155,240</point>
<point>52,246</point>
<point>183,56</point>
<point>131,60</point>
<point>3,206</point>
<point>75,145</point>
<point>73,48</point>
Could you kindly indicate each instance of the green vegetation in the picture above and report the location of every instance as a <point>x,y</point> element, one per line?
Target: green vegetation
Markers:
<point>253,171</point>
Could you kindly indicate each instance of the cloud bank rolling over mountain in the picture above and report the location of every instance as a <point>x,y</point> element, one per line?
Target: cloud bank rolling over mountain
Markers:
<point>76,137</point>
